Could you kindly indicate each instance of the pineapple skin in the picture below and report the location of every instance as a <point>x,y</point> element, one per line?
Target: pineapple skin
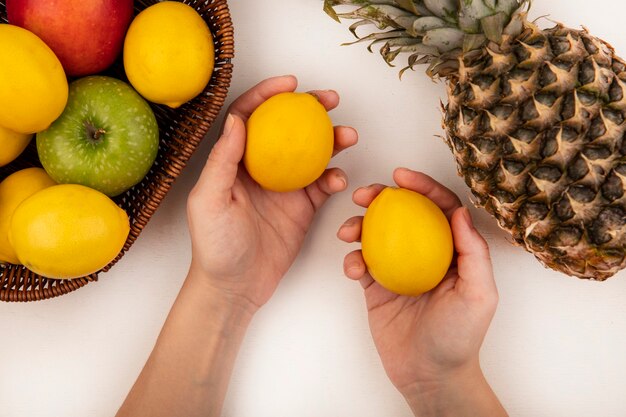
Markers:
<point>537,126</point>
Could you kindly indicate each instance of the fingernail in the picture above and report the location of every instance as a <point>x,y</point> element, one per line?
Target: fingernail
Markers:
<point>468,217</point>
<point>343,182</point>
<point>228,125</point>
<point>314,94</point>
<point>353,268</point>
<point>354,139</point>
<point>348,223</point>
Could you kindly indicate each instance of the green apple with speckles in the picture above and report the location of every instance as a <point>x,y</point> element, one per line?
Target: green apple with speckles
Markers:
<point>107,137</point>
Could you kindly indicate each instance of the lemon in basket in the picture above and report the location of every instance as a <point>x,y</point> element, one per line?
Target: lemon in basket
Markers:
<point>34,89</point>
<point>12,144</point>
<point>14,189</point>
<point>68,231</point>
<point>169,53</point>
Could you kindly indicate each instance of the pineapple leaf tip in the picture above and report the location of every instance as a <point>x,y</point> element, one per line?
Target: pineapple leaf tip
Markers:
<point>330,11</point>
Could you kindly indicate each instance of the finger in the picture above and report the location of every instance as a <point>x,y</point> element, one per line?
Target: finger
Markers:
<point>251,99</point>
<point>447,201</point>
<point>366,281</point>
<point>365,195</point>
<point>220,171</point>
<point>354,265</point>
<point>345,137</point>
<point>354,268</point>
<point>350,231</point>
<point>473,262</point>
<point>328,98</point>
<point>332,181</point>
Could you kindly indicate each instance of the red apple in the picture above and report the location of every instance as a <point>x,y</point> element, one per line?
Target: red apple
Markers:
<point>86,35</point>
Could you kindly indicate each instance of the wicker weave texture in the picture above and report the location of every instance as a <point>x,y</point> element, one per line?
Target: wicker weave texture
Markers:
<point>181,131</point>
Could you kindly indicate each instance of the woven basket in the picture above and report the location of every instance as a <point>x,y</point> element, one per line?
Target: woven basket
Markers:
<point>181,131</point>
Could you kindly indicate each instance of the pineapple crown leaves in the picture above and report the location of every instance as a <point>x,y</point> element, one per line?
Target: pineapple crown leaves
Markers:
<point>433,32</point>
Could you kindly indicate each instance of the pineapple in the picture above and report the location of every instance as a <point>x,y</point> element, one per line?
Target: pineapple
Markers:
<point>535,119</point>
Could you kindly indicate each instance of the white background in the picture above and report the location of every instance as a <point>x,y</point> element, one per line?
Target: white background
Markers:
<point>557,346</point>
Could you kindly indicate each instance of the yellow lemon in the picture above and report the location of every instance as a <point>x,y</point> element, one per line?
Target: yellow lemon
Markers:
<point>68,231</point>
<point>290,142</point>
<point>12,144</point>
<point>169,53</point>
<point>34,88</point>
<point>407,242</point>
<point>14,189</point>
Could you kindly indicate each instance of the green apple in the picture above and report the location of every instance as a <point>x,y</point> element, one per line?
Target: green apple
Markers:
<point>107,137</point>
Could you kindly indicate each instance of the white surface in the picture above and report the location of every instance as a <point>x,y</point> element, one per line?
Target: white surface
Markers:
<point>556,347</point>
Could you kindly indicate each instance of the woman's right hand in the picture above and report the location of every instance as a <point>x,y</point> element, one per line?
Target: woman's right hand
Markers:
<point>429,345</point>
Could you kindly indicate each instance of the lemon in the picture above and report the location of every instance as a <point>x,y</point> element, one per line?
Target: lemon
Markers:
<point>14,189</point>
<point>12,144</point>
<point>68,231</point>
<point>34,88</point>
<point>290,142</point>
<point>169,53</point>
<point>406,241</point>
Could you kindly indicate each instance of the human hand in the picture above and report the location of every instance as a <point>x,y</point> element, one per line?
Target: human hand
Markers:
<point>245,238</point>
<point>427,341</point>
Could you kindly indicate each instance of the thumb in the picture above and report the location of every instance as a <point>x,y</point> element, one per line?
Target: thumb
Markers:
<point>473,261</point>
<point>220,172</point>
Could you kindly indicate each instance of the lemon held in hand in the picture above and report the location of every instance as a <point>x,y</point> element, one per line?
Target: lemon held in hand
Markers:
<point>14,189</point>
<point>33,87</point>
<point>169,53</point>
<point>290,142</point>
<point>68,231</point>
<point>406,241</point>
